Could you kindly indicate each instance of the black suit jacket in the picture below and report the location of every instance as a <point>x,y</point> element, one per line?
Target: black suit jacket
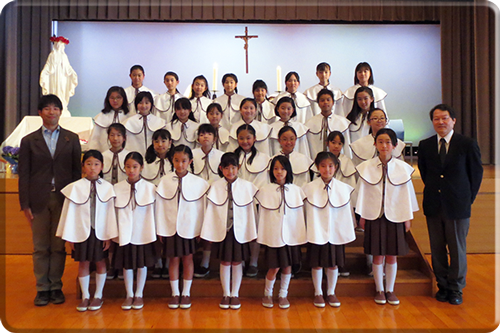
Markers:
<point>450,189</point>
<point>37,167</point>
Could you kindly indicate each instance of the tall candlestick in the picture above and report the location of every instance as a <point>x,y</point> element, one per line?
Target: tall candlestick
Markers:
<point>278,78</point>
<point>214,85</point>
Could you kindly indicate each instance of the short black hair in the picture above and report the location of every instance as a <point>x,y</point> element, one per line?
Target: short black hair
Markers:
<point>50,99</point>
<point>139,67</point>
<point>392,135</point>
<point>443,107</point>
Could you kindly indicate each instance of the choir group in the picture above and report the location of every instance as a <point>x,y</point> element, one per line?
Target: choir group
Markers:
<point>165,171</point>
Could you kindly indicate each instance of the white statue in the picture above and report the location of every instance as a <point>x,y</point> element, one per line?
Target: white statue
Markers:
<point>57,76</point>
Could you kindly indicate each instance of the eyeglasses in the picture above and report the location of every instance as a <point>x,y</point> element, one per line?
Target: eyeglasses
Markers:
<point>378,119</point>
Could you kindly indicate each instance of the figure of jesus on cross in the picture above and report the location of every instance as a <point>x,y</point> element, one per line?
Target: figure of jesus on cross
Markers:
<point>246,37</point>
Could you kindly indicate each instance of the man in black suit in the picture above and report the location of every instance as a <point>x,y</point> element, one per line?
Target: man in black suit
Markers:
<point>451,169</point>
<point>49,159</point>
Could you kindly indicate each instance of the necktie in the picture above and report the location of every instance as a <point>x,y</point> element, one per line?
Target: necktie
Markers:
<point>92,203</point>
<point>114,170</point>
<point>206,167</point>
<point>228,108</point>
<point>324,132</point>
<point>384,178</point>
<point>132,196</point>
<point>116,118</point>
<point>145,129</point>
<point>217,137</point>
<point>230,215</point>
<point>259,112</point>
<point>136,91</point>
<point>161,168</point>
<point>442,150</point>
<point>179,191</point>
<point>172,102</point>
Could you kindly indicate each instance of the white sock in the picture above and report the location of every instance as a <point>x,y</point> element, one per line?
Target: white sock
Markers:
<point>268,291</point>
<point>285,282</point>
<point>100,279</point>
<point>332,276</point>
<point>317,277</point>
<point>186,287</point>
<point>390,276</point>
<point>142,273</point>
<point>237,272</point>
<point>128,278</point>
<point>84,286</point>
<point>254,253</point>
<point>225,280</point>
<point>378,276</point>
<point>174,285</point>
<point>369,259</point>
<point>205,259</point>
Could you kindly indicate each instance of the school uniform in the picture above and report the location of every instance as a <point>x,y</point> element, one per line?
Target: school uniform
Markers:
<point>165,105</point>
<point>153,172</point>
<point>183,134</point>
<point>230,109</point>
<point>206,166</point>
<point>114,166</point>
<point>99,135</point>
<point>136,224</point>
<point>199,106</point>
<point>131,92</point>
<point>230,219</point>
<point>265,112</point>
<point>301,145</point>
<point>312,96</point>
<point>262,134</point>
<point>330,221</point>
<point>88,218</point>
<point>319,129</point>
<point>281,227</point>
<point>222,141</point>
<point>364,149</point>
<point>378,98</point>
<point>301,165</point>
<point>302,106</point>
<point>386,199</point>
<point>257,172</point>
<point>179,211</point>
<point>140,131</point>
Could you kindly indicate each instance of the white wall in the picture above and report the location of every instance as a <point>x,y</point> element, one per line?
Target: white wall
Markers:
<point>406,59</point>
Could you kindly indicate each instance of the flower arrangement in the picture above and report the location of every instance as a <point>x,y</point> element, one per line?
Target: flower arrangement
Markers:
<point>55,39</point>
<point>11,154</point>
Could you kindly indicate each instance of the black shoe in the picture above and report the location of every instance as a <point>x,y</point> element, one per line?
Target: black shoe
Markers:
<point>42,298</point>
<point>455,297</point>
<point>57,297</point>
<point>201,271</point>
<point>442,295</point>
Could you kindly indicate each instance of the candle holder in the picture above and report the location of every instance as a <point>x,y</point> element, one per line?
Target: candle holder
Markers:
<point>214,95</point>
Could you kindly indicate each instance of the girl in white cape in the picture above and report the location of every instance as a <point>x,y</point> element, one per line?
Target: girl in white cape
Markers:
<point>292,83</point>
<point>330,225</point>
<point>200,98</point>
<point>115,111</point>
<point>230,101</point>
<point>164,103</point>
<point>230,223</point>
<point>135,198</point>
<point>141,126</point>
<point>88,223</point>
<point>114,168</point>
<point>281,227</point>
<point>157,157</point>
<point>180,207</point>
<point>301,164</point>
<point>386,202</point>
<point>183,125</point>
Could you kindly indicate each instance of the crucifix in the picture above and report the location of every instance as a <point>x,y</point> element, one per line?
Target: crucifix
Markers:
<point>246,38</point>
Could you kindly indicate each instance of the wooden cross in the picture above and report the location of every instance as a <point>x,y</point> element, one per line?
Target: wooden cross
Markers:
<point>246,38</point>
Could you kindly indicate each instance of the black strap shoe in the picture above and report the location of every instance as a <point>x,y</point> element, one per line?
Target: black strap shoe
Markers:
<point>455,297</point>
<point>57,297</point>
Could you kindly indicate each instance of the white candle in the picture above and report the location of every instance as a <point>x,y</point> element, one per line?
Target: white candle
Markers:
<point>214,85</point>
<point>278,77</point>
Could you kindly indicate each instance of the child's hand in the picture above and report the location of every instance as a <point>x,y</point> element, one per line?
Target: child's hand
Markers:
<point>72,246</point>
<point>106,244</point>
<point>362,223</point>
<point>29,216</point>
<point>407,225</point>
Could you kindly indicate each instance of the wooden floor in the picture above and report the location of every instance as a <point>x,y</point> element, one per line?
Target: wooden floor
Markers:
<point>415,313</point>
